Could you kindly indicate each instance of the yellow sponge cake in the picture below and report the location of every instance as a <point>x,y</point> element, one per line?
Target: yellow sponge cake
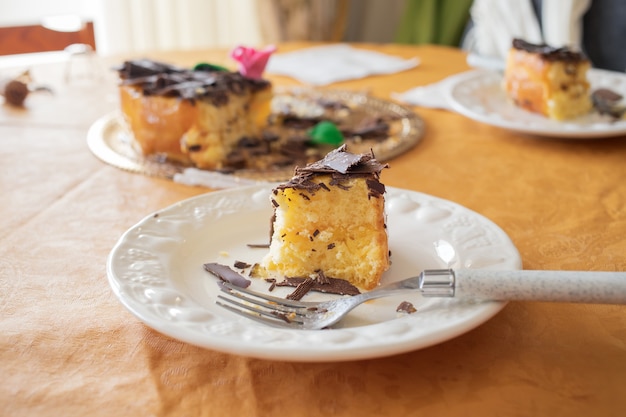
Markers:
<point>330,217</point>
<point>546,80</point>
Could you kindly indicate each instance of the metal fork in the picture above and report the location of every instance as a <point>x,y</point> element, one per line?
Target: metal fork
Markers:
<point>551,286</point>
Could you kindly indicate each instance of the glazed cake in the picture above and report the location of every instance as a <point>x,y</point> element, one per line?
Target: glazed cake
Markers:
<point>546,80</point>
<point>196,116</point>
<point>330,217</point>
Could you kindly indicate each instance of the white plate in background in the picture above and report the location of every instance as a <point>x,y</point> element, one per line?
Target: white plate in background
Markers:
<point>478,95</point>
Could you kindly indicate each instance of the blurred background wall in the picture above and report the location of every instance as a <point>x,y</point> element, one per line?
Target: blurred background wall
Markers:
<point>142,25</point>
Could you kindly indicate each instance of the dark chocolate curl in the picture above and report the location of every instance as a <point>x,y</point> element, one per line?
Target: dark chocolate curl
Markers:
<point>301,290</point>
<point>341,165</point>
<point>548,52</point>
<point>344,162</point>
<point>328,285</point>
<point>226,274</point>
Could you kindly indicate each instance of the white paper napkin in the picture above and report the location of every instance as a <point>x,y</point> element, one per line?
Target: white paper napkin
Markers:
<point>433,95</point>
<point>324,65</point>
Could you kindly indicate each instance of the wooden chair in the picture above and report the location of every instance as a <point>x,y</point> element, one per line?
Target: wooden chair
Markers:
<point>39,38</point>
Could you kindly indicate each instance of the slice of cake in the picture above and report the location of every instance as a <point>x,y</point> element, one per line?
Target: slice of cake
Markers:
<point>330,217</point>
<point>196,116</point>
<point>546,80</point>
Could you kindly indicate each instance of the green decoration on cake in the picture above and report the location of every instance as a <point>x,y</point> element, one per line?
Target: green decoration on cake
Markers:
<point>204,66</point>
<point>326,133</point>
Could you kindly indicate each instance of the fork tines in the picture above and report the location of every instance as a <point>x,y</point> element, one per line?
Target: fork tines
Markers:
<point>263,308</point>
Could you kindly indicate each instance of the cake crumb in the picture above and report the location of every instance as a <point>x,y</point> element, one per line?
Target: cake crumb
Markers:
<point>272,282</point>
<point>406,307</point>
<point>241,265</point>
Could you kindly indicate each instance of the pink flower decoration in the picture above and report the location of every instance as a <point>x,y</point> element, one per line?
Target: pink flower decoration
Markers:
<point>252,62</point>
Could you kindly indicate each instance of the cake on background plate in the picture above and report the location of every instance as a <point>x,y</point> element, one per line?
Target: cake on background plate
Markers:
<point>546,80</point>
<point>192,116</point>
<point>237,123</point>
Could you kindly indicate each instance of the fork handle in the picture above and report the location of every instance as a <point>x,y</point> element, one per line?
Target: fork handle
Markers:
<point>553,286</point>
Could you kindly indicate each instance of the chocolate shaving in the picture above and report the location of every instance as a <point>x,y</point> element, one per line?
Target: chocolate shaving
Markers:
<point>241,265</point>
<point>342,166</point>
<point>608,95</point>
<point>258,245</point>
<point>341,161</point>
<point>334,285</point>
<point>548,52</point>
<point>321,278</point>
<point>272,282</point>
<point>301,290</point>
<point>375,187</point>
<point>608,102</point>
<point>406,307</point>
<point>226,274</point>
<point>157,78</point>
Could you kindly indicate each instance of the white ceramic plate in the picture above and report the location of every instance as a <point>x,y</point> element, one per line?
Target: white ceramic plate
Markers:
<point>479,96</point>
<point>156,271</point>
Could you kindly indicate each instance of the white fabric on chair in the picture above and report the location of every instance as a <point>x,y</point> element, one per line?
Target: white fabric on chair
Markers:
<point>562,22</point>
<point>497,22</point>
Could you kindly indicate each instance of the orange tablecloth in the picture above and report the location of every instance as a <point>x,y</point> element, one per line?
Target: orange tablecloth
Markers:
<point>69,348</point>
